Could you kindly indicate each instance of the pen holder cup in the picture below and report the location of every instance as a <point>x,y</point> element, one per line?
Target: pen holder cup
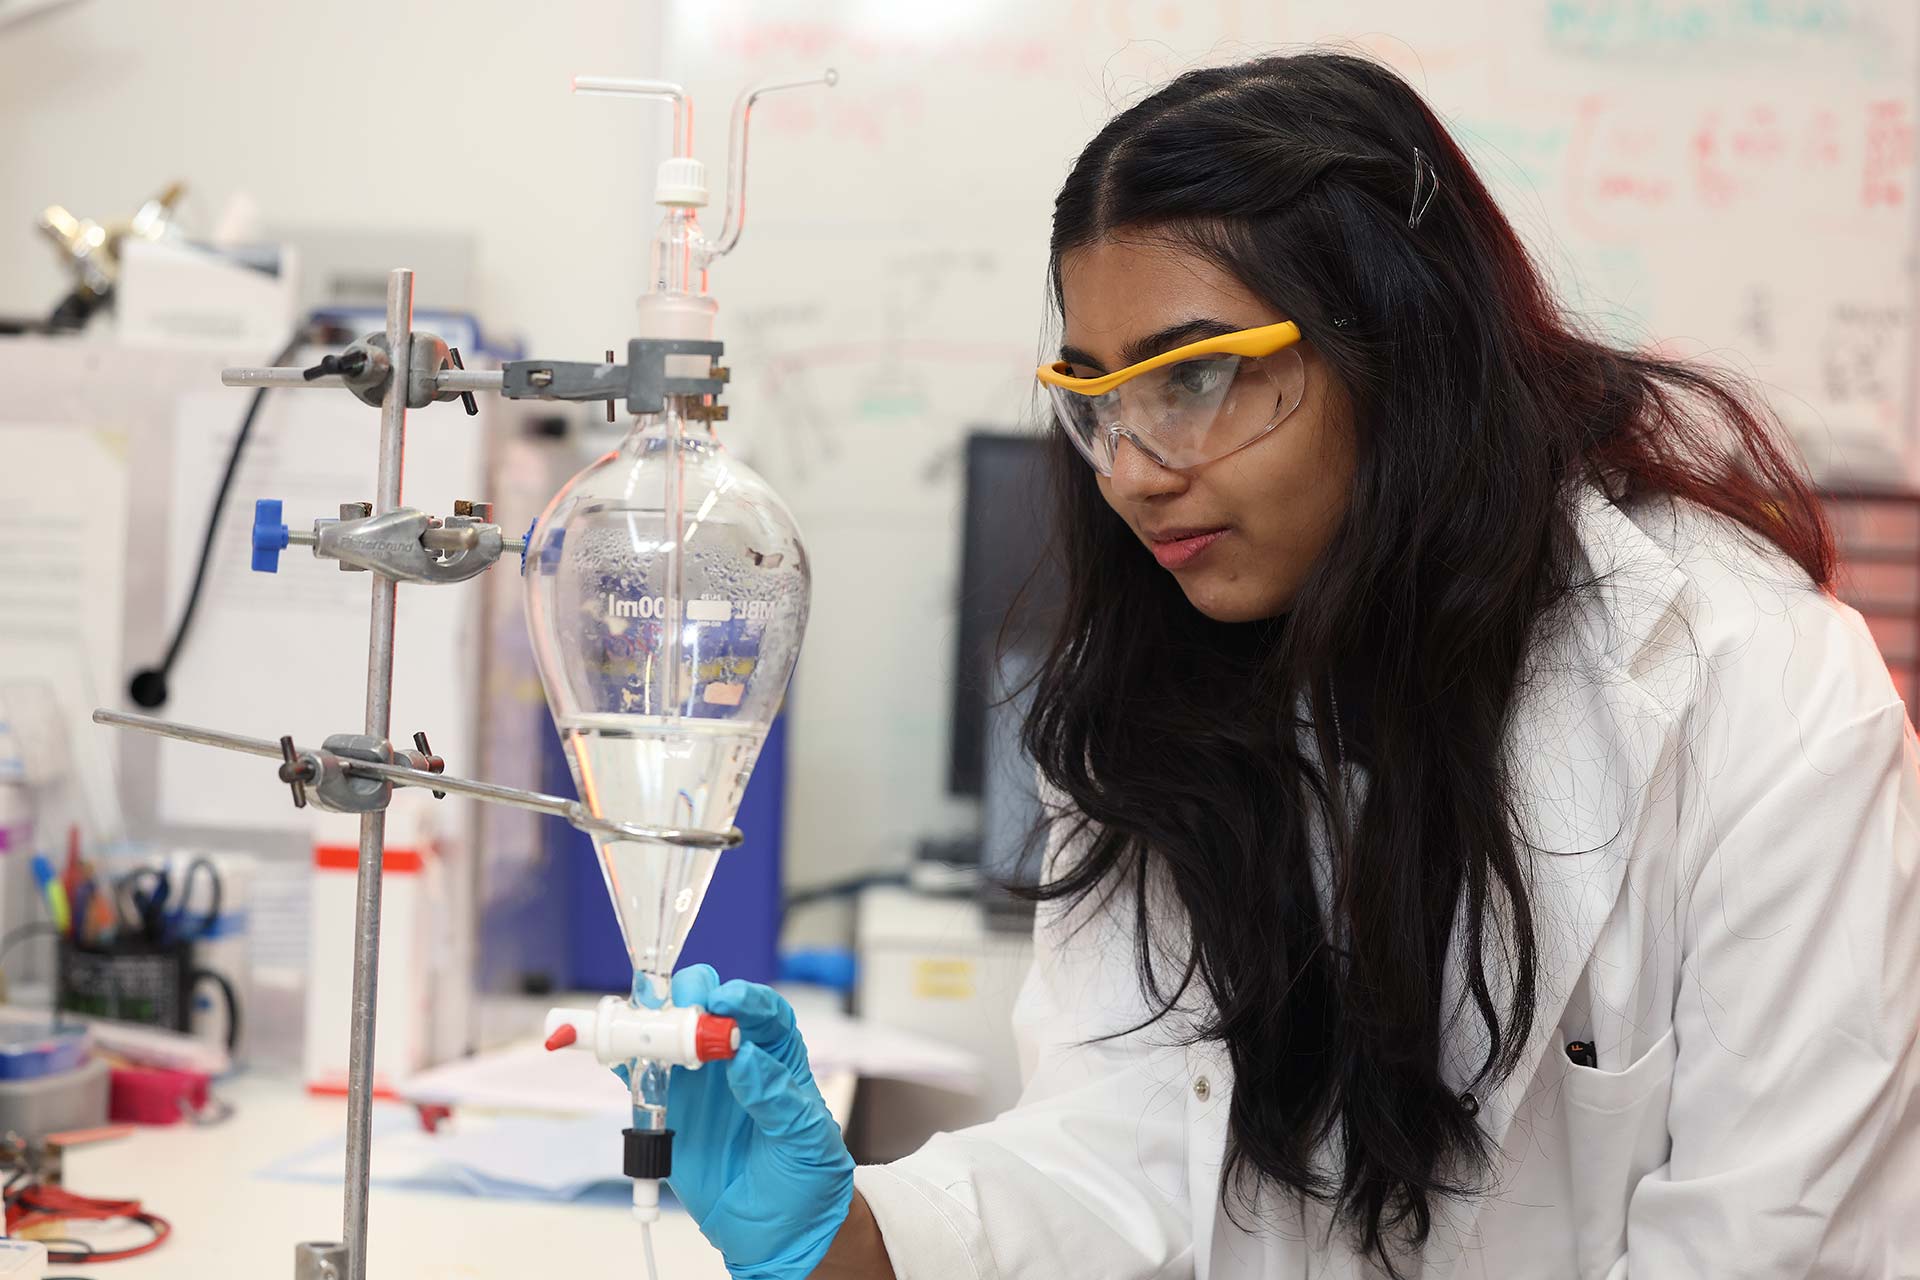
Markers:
<point>132,980</point>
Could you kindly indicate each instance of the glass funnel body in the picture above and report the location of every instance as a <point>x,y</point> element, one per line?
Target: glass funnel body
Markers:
<point>667,593</point>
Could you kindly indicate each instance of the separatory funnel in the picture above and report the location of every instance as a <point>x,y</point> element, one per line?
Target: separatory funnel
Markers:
<point>667,593</point>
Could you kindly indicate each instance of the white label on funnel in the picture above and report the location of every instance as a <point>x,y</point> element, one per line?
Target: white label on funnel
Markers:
<point>709,610</point>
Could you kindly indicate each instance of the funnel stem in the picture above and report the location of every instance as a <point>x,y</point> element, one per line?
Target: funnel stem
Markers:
<point>649,1081</point>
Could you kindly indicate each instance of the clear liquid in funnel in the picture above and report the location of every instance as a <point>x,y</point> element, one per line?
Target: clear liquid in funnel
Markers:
<point>662,772</point>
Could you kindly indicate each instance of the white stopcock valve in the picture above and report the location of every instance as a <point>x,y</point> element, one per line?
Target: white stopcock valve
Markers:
<point>615,1032</point>
<point>645,1040</point>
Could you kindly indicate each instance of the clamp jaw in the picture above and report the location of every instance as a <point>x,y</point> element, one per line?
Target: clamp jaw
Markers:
<point>642,381</point>
<point>405,544</point>
<point>400,545</point>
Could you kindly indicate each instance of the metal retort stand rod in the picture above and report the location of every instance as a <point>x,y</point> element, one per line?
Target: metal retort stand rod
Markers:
<point>356,773</point>
<point>373,825</point>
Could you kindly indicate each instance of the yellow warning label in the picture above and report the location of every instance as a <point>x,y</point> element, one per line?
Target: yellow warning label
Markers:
<point>943,979</point>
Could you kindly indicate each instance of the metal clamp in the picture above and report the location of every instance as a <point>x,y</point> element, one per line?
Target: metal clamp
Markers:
<point>334,788</point>
<point>341,789</point>
<point>409,545</point>
<point>434,372</point>
<point>416,772</point>
<point>366,366</point>
<point>642,381</point>
<point>324,778</point>
<point>319,1260</point>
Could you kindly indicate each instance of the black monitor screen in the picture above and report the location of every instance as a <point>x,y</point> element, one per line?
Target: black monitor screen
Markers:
<point>1009,505</point>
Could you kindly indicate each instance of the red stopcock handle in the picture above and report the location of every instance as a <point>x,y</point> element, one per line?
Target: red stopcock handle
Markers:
<point>715,1039</point>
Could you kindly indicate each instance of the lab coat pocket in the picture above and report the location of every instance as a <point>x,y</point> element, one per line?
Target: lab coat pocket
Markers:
<point>1617,1132</point>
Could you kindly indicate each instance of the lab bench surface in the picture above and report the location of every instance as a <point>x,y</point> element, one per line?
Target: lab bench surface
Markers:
<point>229,1221</point>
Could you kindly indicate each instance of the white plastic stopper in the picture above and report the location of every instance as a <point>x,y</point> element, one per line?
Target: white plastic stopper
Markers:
<point>682,183</point>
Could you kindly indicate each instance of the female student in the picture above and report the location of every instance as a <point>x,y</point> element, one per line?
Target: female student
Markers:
<point>1483,845</point>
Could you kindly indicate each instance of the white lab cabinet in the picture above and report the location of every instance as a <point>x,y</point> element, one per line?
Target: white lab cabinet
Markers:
<point>931,965</point>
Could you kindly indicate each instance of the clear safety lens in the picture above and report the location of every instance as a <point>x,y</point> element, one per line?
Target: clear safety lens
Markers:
<point>1185,414</point>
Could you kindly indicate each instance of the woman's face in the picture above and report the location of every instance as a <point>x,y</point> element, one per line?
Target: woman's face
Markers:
<point>1240,533</point>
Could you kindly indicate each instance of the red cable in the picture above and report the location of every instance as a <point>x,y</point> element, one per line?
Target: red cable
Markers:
<point>36,1205</point>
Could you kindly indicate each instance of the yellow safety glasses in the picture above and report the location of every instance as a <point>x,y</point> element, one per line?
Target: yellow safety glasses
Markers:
<point>1187,406</point>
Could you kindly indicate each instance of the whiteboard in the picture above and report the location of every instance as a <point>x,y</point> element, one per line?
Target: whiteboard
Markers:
<point>1727,178</point>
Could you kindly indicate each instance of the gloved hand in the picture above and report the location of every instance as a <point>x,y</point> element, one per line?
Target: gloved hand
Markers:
<point>757,1158</point>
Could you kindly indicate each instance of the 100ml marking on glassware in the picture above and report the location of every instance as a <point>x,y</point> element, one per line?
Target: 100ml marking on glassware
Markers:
<point>649,608</point>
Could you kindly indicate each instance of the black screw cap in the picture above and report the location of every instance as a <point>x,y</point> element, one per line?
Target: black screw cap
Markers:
<point>649,1153</point>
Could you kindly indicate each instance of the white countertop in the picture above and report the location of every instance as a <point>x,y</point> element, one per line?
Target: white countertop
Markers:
<point>229,1221</point>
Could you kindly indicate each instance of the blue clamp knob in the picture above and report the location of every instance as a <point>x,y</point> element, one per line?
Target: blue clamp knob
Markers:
<point>549,554</point>
<point>269,536</point>
<point>526,545</point>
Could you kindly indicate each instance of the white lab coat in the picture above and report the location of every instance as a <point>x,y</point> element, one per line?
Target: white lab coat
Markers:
<point>1723,783</point>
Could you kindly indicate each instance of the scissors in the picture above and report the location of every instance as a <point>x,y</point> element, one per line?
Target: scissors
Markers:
<point>178,926</point>
<point>151,917</point>
<point>148,904</point>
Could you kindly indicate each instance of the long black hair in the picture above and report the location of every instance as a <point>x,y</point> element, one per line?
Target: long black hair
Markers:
<point>1182,744</point>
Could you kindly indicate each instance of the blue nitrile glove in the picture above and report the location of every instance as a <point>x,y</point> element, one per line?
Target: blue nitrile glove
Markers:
<point>757,1158</point>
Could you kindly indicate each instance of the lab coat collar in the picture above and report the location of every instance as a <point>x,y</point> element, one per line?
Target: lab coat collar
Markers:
<point>1598,700</point>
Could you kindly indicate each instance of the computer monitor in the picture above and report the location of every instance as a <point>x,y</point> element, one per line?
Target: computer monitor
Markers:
<point>1011,587</point>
